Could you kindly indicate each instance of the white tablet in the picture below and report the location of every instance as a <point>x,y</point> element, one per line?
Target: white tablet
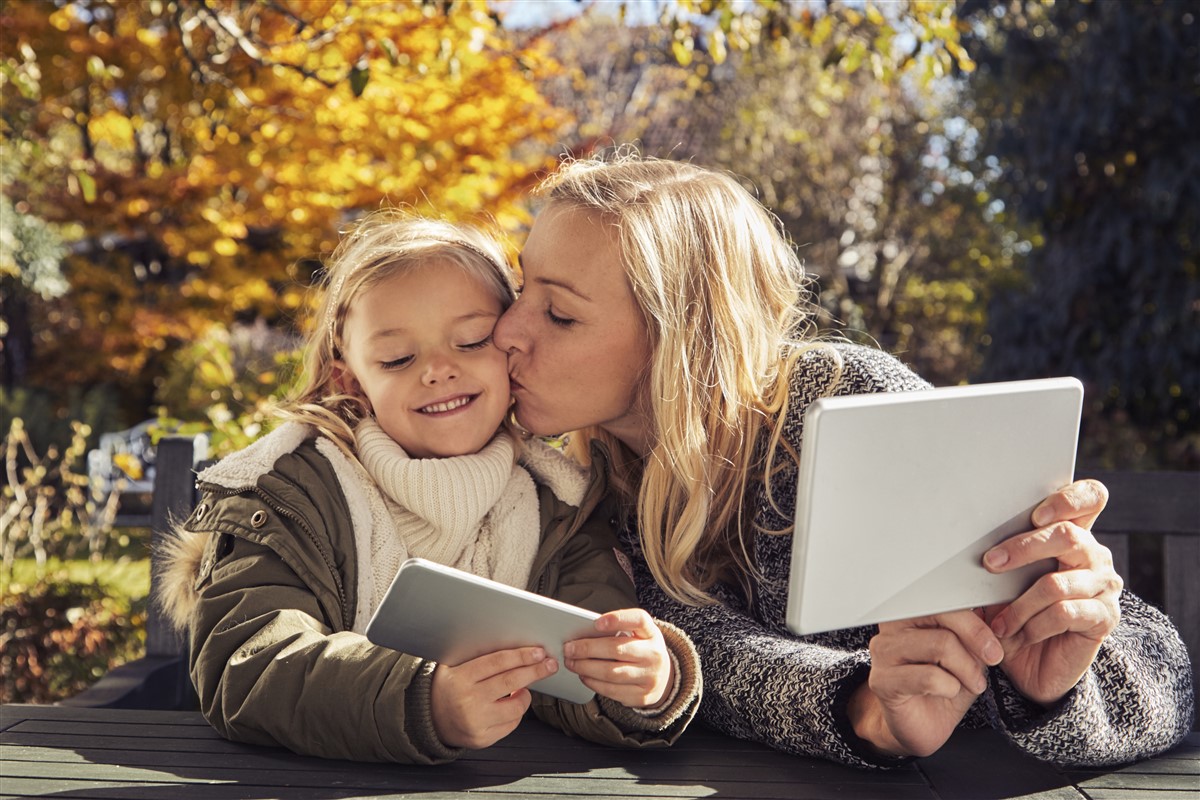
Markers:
<point>900,495</point>
<point>442,613</point>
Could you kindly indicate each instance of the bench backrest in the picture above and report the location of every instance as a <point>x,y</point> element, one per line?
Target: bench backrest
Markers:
<point>1152,526</point>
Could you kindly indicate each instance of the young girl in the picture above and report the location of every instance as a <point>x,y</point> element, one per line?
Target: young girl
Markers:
<point>397,446</point>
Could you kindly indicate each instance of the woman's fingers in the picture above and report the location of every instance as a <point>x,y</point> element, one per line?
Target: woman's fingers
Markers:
<point>1080,502</point>
<point>1086,573</point>
<point>1072,546</point>
<point>955,646</point>
<point>920,680</point>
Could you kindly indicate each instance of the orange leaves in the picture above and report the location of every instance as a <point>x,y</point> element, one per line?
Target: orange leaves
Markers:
<point>201,150</point>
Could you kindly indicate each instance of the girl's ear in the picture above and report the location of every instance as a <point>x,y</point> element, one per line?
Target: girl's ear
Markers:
<point>344,381</point>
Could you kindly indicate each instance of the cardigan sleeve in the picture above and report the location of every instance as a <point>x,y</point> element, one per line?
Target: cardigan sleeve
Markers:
<point>1135,701</point>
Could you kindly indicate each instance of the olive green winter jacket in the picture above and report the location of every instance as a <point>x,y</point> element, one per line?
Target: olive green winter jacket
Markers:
<point>264,578</point>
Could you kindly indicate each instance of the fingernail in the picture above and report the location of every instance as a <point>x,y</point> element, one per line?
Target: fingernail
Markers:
<point>993,653</point>
<point>538,654</point>
<point>569,649</point>
<point>1042,515</point>
<point>995,558</point>
<point>999,628</point>
<point>551,666</point>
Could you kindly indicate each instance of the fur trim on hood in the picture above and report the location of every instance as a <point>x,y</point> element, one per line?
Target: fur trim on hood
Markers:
<point>180,556</point>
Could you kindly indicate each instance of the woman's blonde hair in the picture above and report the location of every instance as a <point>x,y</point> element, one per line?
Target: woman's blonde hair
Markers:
<point>725,302</point>
<point>382,244</point>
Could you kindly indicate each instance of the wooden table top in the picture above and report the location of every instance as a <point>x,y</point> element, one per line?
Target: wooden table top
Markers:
<point>114,753</point>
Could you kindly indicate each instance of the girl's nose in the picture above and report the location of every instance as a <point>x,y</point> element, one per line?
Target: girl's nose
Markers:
<point>439,370</point>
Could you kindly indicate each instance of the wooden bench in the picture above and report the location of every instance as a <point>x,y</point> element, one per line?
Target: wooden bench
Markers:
<point>160,678</point>
<point>1152,525</point>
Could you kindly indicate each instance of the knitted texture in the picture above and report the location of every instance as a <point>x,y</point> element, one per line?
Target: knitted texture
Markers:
<point>763,683</point>
<point>476,512</point>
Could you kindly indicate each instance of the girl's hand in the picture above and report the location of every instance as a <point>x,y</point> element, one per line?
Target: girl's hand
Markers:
<point>479,702</point>
<point>631,666</point>
<point>1052,633</point>
<point>925,674</point>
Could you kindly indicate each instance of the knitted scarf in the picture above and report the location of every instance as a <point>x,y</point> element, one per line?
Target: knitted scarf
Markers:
<point>476,512</point>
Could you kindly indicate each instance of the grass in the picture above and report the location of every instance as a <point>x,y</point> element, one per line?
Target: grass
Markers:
<point>125,578</point>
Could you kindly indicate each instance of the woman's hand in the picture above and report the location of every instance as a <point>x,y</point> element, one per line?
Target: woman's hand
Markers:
<point>925,674</point>
<point>1052,632</point>
<point>631,666</point>
<point>479,702</point>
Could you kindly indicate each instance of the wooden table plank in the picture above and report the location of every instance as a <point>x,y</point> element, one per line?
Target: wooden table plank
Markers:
<point>104,753</point>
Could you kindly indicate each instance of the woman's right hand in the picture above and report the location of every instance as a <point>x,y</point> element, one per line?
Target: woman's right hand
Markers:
<point>479,702</point>
<point>925,674</point>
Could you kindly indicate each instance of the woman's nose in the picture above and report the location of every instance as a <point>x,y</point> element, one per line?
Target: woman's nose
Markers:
<point>508,334</point>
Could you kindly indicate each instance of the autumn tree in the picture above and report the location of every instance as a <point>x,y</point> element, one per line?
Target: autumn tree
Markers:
<point>197,156</point>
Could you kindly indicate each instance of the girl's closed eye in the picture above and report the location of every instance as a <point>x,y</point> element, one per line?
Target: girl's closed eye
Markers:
<point>396,363</point>
<point>482,343</point>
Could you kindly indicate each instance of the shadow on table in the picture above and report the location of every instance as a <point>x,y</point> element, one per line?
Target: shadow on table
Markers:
<point>541,762</point>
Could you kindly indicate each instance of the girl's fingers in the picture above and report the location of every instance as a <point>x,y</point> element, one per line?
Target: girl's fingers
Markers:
<point>630,621</point>
<point>616,649</point>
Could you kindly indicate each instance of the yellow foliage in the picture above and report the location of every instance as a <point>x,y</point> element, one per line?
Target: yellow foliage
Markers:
<point>210,163</point>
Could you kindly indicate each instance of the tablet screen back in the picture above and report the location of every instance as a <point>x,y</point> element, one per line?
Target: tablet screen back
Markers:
<point>900,495</point>
<point>447,615</point>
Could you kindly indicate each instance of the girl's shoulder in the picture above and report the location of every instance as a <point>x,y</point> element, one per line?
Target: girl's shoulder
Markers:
<point>551,467</point>
<point>241,470</point>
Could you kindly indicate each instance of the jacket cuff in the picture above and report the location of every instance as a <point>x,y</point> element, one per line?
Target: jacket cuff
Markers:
<point>419,717</point>
<point>681,701</point>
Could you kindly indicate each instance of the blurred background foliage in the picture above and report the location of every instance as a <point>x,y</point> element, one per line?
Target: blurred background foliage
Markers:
<point>990,189</point>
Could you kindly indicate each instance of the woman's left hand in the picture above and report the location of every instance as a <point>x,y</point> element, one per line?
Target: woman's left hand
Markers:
<point>1052,632</point>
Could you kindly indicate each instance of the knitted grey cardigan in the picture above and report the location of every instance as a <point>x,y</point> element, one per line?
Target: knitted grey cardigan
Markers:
<point>765,684</point>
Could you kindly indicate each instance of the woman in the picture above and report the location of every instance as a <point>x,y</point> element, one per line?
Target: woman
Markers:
<point>663,316</point>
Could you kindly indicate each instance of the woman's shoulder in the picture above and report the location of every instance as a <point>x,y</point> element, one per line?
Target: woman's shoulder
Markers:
<point>826,369</point>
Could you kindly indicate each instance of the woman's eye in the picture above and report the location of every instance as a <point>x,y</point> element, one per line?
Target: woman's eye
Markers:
<point>564,322</point>
<point>397,363</point>
<point>484,342</point>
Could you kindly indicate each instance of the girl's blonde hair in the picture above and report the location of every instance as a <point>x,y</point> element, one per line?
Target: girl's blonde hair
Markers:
<point>382,244</point>
<point>726,305</point>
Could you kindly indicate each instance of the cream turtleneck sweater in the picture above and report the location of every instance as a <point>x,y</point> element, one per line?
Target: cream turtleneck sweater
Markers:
<point>477,512</point>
